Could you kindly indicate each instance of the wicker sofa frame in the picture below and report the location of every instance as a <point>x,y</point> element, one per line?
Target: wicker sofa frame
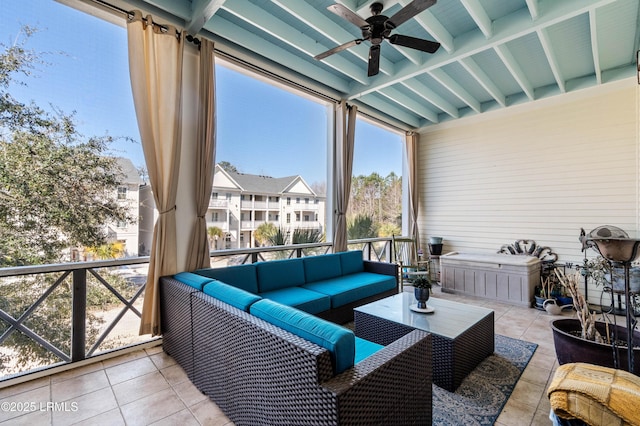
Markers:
<point>260,374</point>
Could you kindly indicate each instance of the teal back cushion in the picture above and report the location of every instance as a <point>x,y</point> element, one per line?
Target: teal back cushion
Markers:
<point>241,276</point>
<point>322,267</point>
<point>192,280</point>
<point>339,341</point>
<point>234,296</point>
<point>351,262</point>
<point>277,274</point>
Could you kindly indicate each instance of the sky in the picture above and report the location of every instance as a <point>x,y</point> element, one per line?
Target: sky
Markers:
<point>261,128</point>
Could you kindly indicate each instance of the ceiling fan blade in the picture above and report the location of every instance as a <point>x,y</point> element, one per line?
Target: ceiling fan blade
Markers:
<point>408,12</point>
<point>337,49</point>
<point>414,43</point>
<point>348,14</point>
<point>374,60</point>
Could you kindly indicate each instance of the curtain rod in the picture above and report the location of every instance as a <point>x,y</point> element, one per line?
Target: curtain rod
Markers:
<point>129,14</point>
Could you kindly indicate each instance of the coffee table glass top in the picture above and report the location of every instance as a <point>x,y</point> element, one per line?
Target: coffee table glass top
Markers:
<point>450,319</point>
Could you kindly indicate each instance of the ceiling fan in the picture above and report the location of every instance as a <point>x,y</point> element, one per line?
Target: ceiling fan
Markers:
<point>378,27</point>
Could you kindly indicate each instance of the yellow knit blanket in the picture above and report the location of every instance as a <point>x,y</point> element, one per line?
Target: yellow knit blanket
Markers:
<point>597,395</point>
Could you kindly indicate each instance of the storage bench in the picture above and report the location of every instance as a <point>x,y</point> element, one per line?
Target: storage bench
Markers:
<point>500,277</point>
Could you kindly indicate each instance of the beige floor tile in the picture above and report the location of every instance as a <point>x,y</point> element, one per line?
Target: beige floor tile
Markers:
<point>528,393</point>
<point>182,418</point>
<point>86,407</point>
<point>80,385</point>
<point>162,360</point>
<point>208,413</point>
<point>139,387</point>
<point>516,413</point>
<point>152,408</point>
<point>24,403</point>
<point>188,393</point>
<point>174,374</point>
<point>75,372</point>
<point>30,419</point>
<point>24,387</point>
<point>124,358</point>
<point>126,371</point>
<point>108,418</point>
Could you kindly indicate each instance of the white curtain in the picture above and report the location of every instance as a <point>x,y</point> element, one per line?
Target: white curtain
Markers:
<point>344,140</point>
<point>205,157</point>
<point>411,144</point>
<point>155,68</point>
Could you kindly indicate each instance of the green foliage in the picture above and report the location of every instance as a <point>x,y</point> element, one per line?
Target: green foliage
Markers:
<point>56,186</point>
<point>360,227</point>
<point>228,166</point>
<point>377,197</point>
<point>264,232</point>
<point>278,238</point>
<point>388,230</point>
<point>306,236</point>
<point>421,282</point>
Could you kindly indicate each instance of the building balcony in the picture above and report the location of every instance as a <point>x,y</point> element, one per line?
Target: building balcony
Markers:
<point>218,204</point>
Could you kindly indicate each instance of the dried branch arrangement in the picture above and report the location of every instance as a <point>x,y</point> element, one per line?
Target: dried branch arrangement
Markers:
<point>587,319</point>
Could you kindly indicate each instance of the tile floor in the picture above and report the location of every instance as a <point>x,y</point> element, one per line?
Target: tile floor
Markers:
<point>147,387</point>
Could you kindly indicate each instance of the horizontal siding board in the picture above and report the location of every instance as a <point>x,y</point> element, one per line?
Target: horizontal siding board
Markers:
<point>542,173</point>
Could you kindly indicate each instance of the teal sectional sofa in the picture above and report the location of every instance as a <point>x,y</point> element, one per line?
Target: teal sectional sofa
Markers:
<point>260,350</point>
<point>328,286</point>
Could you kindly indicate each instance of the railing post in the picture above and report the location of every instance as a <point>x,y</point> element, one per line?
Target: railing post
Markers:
<point>79,315</point>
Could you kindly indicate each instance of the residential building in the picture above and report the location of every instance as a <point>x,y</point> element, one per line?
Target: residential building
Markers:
<point>241,202</point>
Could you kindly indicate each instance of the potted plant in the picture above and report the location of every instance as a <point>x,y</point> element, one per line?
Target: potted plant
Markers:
<point>584,339</point>
<point>422,290</point>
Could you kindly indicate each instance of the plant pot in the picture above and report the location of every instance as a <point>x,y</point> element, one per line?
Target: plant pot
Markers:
<point>570,348</point>
<point>435,240</point>
<point>539,302</point>
<point>422,295</point>
<point>435,249</point>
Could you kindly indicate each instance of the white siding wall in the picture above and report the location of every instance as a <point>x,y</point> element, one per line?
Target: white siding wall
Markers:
<point>540,171</point>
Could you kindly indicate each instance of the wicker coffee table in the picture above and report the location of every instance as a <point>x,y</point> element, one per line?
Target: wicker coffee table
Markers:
<point>463,335</point>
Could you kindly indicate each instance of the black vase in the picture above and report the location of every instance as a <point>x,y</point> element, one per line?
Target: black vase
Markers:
<point>422,295</point>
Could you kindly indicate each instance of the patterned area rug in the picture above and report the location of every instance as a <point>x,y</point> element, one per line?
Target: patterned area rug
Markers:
<point>482,395</point>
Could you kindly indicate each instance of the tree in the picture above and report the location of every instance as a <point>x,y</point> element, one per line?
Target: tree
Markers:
<point>214,233</point>
<point>57,190</point>
<point>306,236</point>
<point>228,166</point>
<point>264,232</point>
<point>361,227</point>
<point>57,187</point>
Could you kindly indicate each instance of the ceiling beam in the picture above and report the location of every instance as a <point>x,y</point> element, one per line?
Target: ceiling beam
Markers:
<point>485,81</point>
<point>255,16</point>
<point>385,107</point>
<point>231,32</point>
<point>432,97</point>
<point>456,89</point>
<point>201,12</point>
<point>479,15</point>
<point>595,46</point>
<point>431,24</point>
<point>516,25</point>
<point>409,103</point>
<point>533,8</point>
<point>515,69</point>
<point>552,59</point>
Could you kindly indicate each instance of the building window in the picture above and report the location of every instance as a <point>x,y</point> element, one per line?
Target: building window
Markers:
<point>306,201</point>
<point>228,195</point>
<point>288,217</point>
<point>306,218</point>
<point>122,224</point>
<point>214,195</point>
<point>297,217</point>
<point>288,201</point>
<point>214,217</point>
<point>297,200</point>
<point>122,193</point>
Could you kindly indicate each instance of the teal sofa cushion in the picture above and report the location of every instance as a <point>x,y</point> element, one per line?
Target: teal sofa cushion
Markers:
<point>322,267</point>
<point>364,349</point>
<point>300,298</point>
<point>234,296</point>
<point>241,276</point>
<point>192,280</point>
<point>339,341</point>
<point>351,262</point>
<point>349,288</point>
<point>277,274</point>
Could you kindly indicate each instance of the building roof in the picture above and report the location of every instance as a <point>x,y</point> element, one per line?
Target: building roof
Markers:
<point>130,173</point>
